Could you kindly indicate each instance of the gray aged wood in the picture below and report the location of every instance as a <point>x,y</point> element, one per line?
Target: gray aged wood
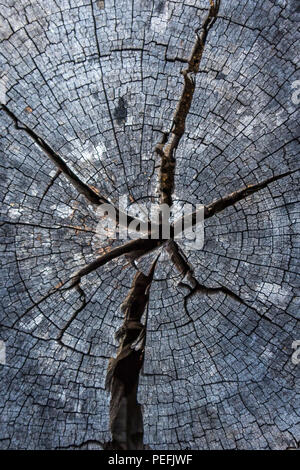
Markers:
<point>99,82</point>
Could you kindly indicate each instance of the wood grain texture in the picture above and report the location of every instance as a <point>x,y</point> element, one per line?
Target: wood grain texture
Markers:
<point>99,82</point>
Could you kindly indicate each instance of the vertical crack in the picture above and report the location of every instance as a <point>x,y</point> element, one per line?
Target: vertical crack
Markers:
<point>167,147</point>
<point>126,418</point>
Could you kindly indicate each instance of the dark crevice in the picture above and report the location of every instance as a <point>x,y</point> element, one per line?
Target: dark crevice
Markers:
<point>82,187</point>
<point>231,199</point>
<point>133,249</point>
<point>167,147</point>
<point>126,419</point>
<point>191,283</point>
<point>122,380</point>
<point>90,193</point>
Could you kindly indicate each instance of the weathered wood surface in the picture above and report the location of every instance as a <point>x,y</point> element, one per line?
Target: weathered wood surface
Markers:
<point>99,82</point>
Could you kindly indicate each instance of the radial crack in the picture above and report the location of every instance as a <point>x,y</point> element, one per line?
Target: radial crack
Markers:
<point>126,419</point>
<point>231,199</point>
<point>90,193</point>
<point>190,282</point>
<point>167,147</point>
<point>133,249</point>
<point>236,196</point>
<point>180,262</point>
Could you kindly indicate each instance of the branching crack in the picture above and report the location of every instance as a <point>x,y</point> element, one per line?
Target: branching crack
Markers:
<point>194,286</point>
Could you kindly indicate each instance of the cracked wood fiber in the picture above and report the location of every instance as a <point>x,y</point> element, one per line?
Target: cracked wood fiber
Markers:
<point>163,101</point>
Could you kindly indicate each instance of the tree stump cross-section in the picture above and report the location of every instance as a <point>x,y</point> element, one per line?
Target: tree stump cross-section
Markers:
<point>143,343</point>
